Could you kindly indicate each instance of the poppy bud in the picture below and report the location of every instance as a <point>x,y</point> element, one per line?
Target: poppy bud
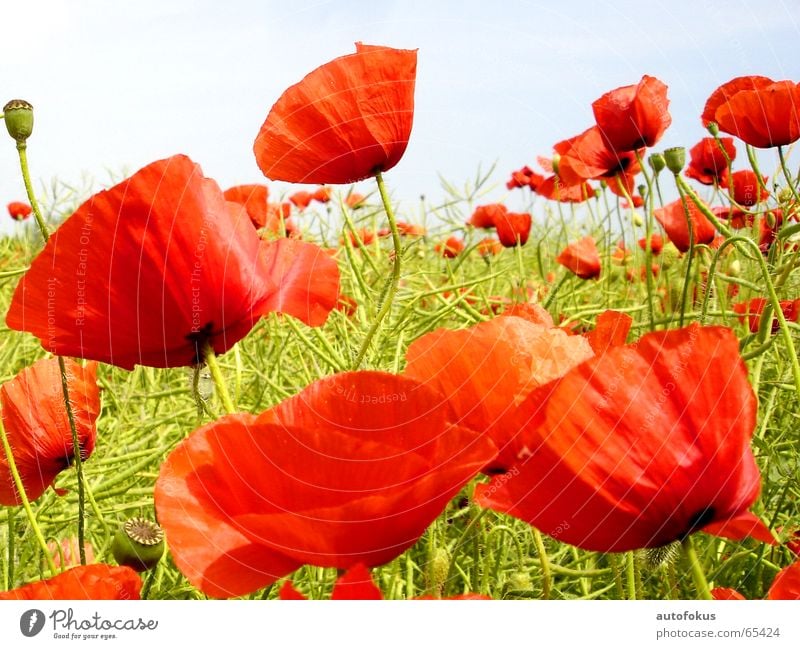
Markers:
<point>555,161</point>
<point>438,570</point>
<point>642,189</point>
<point>657,162</point>
<point>734,268</point>
<point>138,544</point>
<point>636,219</point>
<point>675,158</point>
<point>520,581</point>
<point>713,129</point>
<point>18,115</point>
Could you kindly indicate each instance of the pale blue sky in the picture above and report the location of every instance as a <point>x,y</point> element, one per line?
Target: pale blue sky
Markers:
<point>120,84</point>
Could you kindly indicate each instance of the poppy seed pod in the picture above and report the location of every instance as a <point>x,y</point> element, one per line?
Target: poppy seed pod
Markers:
<point>138,544</point>
<point>675,158</point>
<point>18,115</point>
<point>657,162</point>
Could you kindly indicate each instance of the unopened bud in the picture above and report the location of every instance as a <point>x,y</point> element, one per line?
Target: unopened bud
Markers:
<point>675,159</point>
<point>18,116</point>
<point>713,129</point>
<point>656,162</point>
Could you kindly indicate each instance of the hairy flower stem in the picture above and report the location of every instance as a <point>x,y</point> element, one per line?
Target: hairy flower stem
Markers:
<point>216,374</point>
<point>26,505</point>
<point>390,290</point>
<point>698,575</point>
<point>22,149</point>
<point>630,574</point>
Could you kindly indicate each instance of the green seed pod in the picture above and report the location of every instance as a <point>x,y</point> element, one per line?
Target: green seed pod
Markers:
<point>657,162</point>
<point>675,159</point>
<point>520,581</point>
<point>138,544</point>
<point>734,268</point>
<point>18,116</point>
<point>637,219</point>
<point>438,569</point>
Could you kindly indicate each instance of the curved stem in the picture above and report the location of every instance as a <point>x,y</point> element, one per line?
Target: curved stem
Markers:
<point>26,505</point>
<point>210,358</point>
<point>22,149</point>
<point>698,575</point>
<point>542,552</point>
<point>394,280</point>
<point>786,173</point>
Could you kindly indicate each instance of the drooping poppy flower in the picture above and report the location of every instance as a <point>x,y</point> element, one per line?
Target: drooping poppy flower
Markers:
<point>19,211</point>
<point>525,177</point>
<point>707,162</point>
<point>513,228</point>
<point>588,157</point>
<point>746,189</point>
<point>582,258</point>
<point>95,581</point>
<point>148,272</point>
<point>656,243</point>
<point>485,216</point>
<point>255,200</point>
<point>754,309</point>
<point>37,425</point>
<point>761,112</point>
<point>322,194</point>
<point>351,470</point>
<point>489,368</point>
<point>611,331</point>
<point>672,217</point>
<point>639,447</point>
<point>489,247</point>
<point>632,117</point>
<point>451,248</point>
<point>355,584</point>
<point>786,584</point>
<point>301,199</point>
<point>345,121</point>
<point>355,201</point>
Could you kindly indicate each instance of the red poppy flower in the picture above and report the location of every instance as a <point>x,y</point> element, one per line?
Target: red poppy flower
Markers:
<point>19,211</point>
<point>746,189</point>
<point>761,112</point>
<point>754,308</point>
<point>450,248</point>
<point>355,584</point>
<point>363,235</point>
<point>485,216</point>
<point>656,243</point>
<point>148,272</point>
<point>639,447</point>
<point>725,593</point>
<point>489,247</point>
<point>673,218</point>
<point>354,200</point>
<point>588,157</point>
<point>786,584</point>
<point>254,198</point>
<point>411,229</point>
<point>736,218</point>
<point>345,121</point>
<point>768,227</point>
<point>347,305</point>
<point>555,189</point>
<point>487,369</point>
<point>37,426</point>
<point>632,117</point>
<point>611,331</point>
<point>707,163</point>
<point>301,200</point>
<point>525,177</point>
<point>351,470</point>
<point>96,581</point>
<point>322,194</point>
<point>513,228</point>
<point>582,258</point>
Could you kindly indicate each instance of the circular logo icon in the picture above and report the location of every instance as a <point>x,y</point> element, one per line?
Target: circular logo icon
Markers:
<point>31,622</point>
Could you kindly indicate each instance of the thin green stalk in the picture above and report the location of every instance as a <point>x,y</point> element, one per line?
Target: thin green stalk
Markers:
<point>551,296</point>
<point>630,574</point>
<point>394,280</point>
<point>786,173</point>
<point>219,381</point>
<point>26,505</point>
<point>12,549</point>
<point>698,575</point>
<point>22,149</point>
<point>690,253</point>
<point>544,563</point>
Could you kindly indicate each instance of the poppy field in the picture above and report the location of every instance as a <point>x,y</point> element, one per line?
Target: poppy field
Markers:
<point>247,392</point>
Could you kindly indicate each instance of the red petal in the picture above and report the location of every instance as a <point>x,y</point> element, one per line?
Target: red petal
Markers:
<point>582,258</point>
<point>742,526</point>
<point>288,591</point>
<point>673,218</point>
<point>727,90</point>
<point>345,121</point>
<point>765,117</point>
<point>725,593</point>
<point>305,280</point>
<point>610,331</point>
<point>637,447</point>
<point>254,199</point>
<point>145,272</point>
<point>356,583</point>
<point>96,581</point>
<point>37,425</point>
<point>786,584</point>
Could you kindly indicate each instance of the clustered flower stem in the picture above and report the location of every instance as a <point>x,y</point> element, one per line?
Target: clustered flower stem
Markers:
<point>22,149</point>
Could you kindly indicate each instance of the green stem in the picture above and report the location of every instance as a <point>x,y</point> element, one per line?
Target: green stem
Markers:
<point>388,299</point>
<point>551,296</point>
<point>542,552</point>
<point>698,575</point>
<point>76,457</point>
<point>786,173</point>
<point>690,254</point>
<point>216,374</point>
<point>12,551</point>
<point>22,149</point>
<point>630,574</point>
<point>23,497</point>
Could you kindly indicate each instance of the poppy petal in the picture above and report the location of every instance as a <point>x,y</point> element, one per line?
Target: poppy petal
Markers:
<point>356,583</point>
<point>96,581</point>
<point>742,526</point>
<point>611,330</point>
<point>345,121</point>
<point>786,584</point>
